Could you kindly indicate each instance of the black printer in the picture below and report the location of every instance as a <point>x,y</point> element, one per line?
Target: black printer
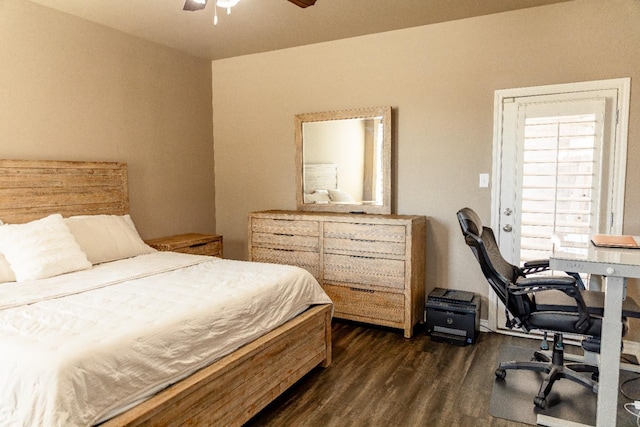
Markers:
<point>453,316</point>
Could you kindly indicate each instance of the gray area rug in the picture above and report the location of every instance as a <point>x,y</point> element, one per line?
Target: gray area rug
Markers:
<point>512,398</point>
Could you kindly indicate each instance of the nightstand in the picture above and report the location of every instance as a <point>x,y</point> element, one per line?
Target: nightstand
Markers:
<point>190,243</point>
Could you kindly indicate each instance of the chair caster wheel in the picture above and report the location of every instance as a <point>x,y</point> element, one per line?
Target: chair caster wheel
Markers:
<point>501,373</point>
<point>595,377</point>
<point>540,402</point>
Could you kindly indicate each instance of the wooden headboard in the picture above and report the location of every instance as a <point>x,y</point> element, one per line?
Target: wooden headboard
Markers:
<point>32,189</point>
<point>319,176</point>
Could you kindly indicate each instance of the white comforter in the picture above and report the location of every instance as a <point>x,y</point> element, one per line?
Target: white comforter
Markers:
<point>75,348</point>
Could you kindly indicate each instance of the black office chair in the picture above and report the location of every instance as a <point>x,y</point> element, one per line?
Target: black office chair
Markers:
<point>570,309</point>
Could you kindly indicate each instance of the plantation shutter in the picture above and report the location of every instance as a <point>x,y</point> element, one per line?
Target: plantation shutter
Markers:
<point>561,161</point>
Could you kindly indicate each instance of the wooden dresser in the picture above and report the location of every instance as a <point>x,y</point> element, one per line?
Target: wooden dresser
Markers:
<point>371,266</point>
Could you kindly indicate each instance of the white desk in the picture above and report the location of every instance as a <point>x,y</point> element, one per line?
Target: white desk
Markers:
<point>617,265</point>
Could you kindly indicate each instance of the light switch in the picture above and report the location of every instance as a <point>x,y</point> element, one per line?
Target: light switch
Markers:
<point>484,180</point>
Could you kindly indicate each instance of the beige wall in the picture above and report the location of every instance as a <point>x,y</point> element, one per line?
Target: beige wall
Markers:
<point>440,79</point>
<point>74,90</point>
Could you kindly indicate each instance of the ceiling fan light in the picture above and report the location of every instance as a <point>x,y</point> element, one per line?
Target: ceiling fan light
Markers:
<point>228,4</point>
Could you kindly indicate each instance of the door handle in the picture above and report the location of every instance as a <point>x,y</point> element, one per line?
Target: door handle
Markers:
<point>508,228</point>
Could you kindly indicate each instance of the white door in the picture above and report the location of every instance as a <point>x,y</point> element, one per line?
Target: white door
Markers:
<point>559,166</point>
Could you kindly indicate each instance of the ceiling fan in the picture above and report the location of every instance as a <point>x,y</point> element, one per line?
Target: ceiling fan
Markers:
<point>200,4</point>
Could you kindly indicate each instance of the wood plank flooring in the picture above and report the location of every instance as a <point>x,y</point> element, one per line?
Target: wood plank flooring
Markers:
<point>379,378</point>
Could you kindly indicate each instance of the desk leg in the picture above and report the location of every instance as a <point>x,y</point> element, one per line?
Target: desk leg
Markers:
<point>610,352</point>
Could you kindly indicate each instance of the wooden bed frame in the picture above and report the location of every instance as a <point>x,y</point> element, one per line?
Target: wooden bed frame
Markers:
<point>228,392</point>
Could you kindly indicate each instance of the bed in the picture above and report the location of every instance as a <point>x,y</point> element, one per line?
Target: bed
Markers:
<point>223,386</point>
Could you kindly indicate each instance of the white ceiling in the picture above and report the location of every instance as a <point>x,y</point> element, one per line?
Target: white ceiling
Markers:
<point>263,25</point>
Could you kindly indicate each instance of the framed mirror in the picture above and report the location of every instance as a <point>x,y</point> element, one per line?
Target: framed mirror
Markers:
<point>343,161</point>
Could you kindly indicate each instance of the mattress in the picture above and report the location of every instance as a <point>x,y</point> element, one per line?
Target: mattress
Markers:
<point>80,348</point>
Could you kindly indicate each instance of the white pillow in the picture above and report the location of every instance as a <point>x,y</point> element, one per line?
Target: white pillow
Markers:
<point>340,196</point>
<point>107,238</point>
<point>41,249</point>
<point>6,273</point>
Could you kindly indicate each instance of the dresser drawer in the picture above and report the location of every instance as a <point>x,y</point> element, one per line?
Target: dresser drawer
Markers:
<point>366,305</point>
<point>285,226</point>
<point>286,242</point>
<point>310,261</point>
<point>371,232</point>
<point>364,270</point>
<point>364,247</point>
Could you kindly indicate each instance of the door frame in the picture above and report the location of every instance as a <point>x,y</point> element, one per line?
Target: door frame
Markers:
<point>619,151</point>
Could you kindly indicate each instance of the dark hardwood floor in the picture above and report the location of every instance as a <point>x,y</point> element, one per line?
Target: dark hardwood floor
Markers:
<point>379,378</point>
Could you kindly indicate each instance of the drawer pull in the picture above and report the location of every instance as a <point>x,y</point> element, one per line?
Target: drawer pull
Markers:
<point>363,257</point>
<point>284,234</point>
<point>363,290</point>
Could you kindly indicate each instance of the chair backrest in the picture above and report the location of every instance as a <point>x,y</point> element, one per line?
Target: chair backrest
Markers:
<point>498,272</point>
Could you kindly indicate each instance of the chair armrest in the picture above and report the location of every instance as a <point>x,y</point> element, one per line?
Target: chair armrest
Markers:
<point>540,265</point>
<point>535,266</point>
<point>549,282</point>
<point>566,284</point>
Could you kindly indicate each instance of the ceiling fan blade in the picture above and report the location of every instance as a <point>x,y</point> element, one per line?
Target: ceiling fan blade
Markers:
<point>303,3</point>
<point>194,4</point>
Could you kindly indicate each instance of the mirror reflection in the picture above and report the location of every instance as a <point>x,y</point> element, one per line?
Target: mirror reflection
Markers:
<point>343,160</point>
